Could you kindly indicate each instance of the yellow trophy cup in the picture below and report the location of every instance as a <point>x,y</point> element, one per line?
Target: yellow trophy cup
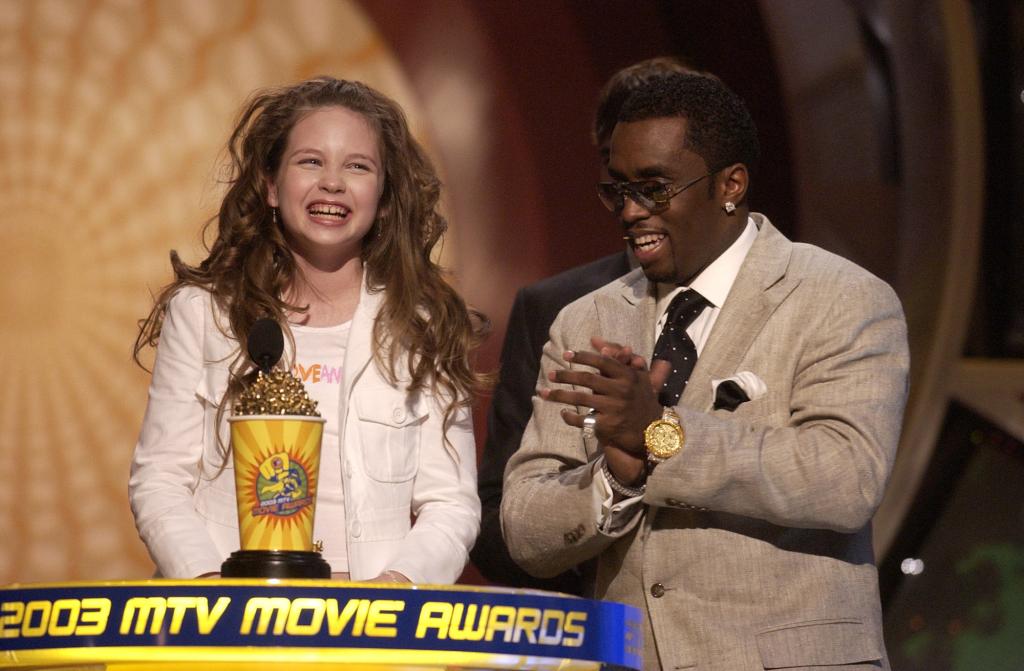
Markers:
<point>275,445</point>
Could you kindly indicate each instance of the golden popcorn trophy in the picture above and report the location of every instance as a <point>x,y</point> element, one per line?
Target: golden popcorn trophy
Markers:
<point>275,445</point>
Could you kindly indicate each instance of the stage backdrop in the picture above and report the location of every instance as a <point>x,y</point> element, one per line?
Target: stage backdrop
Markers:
<point>113,116</point>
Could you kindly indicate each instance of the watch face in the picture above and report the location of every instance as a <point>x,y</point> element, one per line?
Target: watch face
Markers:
<point>663,439</point>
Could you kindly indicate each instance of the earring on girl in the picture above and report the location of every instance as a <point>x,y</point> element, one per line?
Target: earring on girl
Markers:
<point>273,215</point>
<point>729,207</point>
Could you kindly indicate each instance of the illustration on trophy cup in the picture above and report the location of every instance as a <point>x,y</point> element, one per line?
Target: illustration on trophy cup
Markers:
<point>275,444</point>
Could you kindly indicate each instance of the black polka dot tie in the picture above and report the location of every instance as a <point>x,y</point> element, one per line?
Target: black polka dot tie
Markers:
<point>675,346</point>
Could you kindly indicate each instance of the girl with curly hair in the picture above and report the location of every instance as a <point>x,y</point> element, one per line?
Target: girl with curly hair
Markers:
<point>327,227</point>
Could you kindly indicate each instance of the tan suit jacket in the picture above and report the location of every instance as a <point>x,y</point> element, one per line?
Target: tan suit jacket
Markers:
<point>752,549</point>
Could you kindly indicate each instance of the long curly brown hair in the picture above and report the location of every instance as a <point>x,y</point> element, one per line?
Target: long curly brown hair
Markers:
<point>423,327</point>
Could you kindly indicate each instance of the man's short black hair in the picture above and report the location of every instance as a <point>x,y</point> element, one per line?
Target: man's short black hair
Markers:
<point>719,127</point>
<point>621,85</point>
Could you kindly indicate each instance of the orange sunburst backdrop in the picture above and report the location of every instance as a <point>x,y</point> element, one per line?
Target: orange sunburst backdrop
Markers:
<point>113,114</point>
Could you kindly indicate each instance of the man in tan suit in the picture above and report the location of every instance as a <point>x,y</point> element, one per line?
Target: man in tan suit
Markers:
<point>732,503</point>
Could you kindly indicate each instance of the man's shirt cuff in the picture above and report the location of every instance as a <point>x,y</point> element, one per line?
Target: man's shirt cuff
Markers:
<point>613,517</point>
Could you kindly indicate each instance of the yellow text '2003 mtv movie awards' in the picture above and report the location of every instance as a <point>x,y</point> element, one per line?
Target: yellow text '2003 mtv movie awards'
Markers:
<point>301,616</point>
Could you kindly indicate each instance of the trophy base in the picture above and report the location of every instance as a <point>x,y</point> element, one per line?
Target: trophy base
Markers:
<point>275,564</point>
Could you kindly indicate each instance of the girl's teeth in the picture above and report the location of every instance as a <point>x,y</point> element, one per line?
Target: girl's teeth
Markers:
<point>330,210</point>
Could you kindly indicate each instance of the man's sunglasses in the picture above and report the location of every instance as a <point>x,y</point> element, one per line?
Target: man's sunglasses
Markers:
<point>653,196</point>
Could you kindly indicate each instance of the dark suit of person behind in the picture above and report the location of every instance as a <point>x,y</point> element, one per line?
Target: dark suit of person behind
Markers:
<point>533,312</point>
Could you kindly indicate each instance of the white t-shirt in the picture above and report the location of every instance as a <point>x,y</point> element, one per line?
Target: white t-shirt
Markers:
<point>319,363</point>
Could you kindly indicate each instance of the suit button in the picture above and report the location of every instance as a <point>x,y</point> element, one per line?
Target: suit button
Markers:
<point>356,528</point>
<point>657,590</point>
<point>398,414</point>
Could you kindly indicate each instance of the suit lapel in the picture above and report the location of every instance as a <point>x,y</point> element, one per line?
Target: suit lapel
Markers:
<point>760,287</point>
<point>627,316</point>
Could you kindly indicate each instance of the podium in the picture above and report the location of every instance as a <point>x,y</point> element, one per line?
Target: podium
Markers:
<point>235,624</point>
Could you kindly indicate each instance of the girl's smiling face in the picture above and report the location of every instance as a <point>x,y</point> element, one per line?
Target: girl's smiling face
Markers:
<point>328,185</point>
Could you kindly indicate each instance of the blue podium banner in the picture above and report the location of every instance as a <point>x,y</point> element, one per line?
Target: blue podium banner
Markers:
<point>243,620</point>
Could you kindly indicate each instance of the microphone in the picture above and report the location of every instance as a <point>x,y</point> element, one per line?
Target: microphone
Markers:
<point>265,344</point>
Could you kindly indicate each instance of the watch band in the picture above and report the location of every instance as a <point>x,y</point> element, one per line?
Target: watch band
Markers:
<point>618,487</point>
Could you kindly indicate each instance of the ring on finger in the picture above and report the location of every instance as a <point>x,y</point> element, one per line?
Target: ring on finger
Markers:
<point>589,423</point>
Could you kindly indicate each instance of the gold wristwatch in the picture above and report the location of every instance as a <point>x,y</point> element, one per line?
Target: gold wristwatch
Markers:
<point>663,437</point>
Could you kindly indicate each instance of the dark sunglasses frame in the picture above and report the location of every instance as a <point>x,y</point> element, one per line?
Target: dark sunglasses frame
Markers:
<point>651,195</point>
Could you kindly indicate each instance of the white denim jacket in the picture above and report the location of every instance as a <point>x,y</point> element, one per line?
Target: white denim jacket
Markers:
<point>410,500</point>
